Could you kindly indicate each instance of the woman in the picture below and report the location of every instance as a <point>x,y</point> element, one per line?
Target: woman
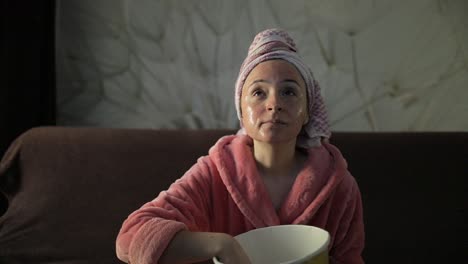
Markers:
<point>278,169</point>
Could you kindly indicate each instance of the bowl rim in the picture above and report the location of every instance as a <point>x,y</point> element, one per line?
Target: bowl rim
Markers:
<point>323,247</point>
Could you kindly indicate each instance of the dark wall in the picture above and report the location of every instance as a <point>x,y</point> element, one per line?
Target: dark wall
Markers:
<point>27,88</point>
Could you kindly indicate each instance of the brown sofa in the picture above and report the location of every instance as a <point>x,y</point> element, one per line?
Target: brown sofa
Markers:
<point>69,189</point>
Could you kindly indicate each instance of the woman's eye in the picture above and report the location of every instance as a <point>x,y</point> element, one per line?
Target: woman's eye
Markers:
<point>289,92</point>
<point>257,93</point>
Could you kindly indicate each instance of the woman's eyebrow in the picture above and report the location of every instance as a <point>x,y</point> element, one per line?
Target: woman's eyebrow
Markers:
<point>257,81</point>
<point>262,80</point>
<point>291,80</point>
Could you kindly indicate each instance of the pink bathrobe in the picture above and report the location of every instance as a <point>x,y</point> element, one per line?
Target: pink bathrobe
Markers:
<point>223,192</point>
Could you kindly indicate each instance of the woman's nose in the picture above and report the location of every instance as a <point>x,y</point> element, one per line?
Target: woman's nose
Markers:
<point>274,104</point>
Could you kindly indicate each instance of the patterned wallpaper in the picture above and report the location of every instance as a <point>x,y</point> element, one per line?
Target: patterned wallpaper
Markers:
<point>384,65</point>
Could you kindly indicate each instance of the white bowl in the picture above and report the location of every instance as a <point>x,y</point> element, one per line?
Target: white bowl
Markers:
<point>285,244</point>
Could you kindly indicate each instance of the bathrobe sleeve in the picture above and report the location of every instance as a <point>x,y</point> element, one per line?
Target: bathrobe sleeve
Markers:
<point>349,242</point>
<point>146,233</point>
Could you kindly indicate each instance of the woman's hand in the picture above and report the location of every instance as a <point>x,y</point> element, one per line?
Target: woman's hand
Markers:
<point>199,247</point>
<point>230,251</point>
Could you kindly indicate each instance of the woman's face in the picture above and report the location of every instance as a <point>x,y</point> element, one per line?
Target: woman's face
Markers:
<point>274,102</point>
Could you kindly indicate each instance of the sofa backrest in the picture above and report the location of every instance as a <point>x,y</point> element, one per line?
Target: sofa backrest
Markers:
<point>414,192</point>
<point>70,189</point>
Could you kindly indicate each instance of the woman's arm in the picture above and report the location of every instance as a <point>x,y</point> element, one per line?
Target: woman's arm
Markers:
<point>350,244</point>
<point>173,227</point>
<point>147,232</point>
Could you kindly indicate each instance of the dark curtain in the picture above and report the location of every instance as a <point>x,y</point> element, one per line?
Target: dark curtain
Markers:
<point>27,89</point>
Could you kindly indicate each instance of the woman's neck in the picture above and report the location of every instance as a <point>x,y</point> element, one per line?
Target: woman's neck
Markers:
<point>275,159</point>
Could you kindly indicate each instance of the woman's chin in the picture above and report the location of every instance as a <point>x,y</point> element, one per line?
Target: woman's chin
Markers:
<point>272,135</point>
<point>275,139</point>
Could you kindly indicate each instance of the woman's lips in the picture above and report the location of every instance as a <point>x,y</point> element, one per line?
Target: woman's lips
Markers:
<point>274,122</point>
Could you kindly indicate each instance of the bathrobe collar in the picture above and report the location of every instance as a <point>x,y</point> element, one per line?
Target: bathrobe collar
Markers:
<point>321,174</point>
